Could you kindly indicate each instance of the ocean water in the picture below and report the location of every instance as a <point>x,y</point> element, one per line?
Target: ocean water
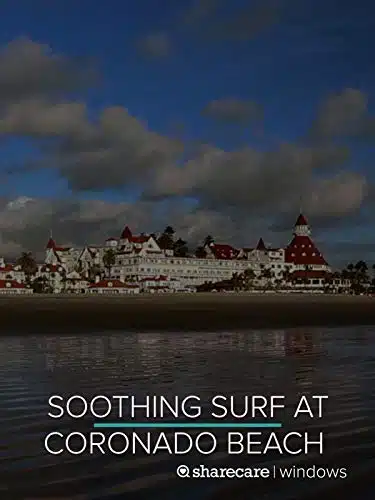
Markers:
<point>339,363</point>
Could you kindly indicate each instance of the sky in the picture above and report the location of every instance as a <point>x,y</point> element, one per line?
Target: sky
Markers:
<point>215,117</point>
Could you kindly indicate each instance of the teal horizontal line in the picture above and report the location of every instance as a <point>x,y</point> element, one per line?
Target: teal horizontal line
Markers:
<point>187,425</point>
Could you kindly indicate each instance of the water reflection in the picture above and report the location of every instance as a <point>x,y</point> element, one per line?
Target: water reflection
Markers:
<point>339,362</point>
<point>65,351</point>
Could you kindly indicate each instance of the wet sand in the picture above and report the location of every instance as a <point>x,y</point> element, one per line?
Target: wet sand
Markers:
<point>201,312</point>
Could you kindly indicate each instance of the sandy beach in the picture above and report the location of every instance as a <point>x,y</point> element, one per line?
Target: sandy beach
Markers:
<point>198,312</point>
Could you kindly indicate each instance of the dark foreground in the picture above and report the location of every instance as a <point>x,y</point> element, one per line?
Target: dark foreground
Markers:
<point>203,312</point>
<point>338,362</point>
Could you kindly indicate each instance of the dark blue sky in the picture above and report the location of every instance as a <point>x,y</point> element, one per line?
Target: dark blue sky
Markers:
<point>167,61</point>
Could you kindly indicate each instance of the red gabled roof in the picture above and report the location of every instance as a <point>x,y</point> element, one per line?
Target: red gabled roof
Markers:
<point>7,268</point>
<point>126,233</point>
<point>51,243</point>
<point>301,220</point>
<point>302,251</point>
<point>139,239</point>
<point>223,251</point>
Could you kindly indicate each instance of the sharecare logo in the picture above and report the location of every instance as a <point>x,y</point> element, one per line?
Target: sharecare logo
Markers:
<point>312,472</point>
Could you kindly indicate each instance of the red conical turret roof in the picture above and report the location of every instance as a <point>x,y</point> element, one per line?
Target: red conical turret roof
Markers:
<point>51,243</point>
<point>126,233</point>
<point>261,245</point>
<point>301,250</point>
<point>301,221</point>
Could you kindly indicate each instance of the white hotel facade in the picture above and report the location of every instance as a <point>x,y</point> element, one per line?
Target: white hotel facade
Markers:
<point>139,259</point>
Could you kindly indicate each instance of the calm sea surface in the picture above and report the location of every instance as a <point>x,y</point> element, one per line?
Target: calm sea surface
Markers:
<point>336,362</point>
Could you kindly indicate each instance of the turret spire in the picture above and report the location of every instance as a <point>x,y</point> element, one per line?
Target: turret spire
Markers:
<point>301,227</point>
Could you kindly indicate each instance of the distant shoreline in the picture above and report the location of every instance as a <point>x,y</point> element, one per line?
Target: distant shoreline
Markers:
<point>62,314</point>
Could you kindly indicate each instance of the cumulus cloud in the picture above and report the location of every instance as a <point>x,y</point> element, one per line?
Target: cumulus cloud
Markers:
<point>344,114</point>
<point>200,10</point>
<point>247,23</point>
<point>25,223</point>
<point>249,179</point>
<point>226,193</point>
<point>338,195</point>
<point>155,46</point>
<point>232,110</point>
<point>41,118</point>
<point>30,69</point>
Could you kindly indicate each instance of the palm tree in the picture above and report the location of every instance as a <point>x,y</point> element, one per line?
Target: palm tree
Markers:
<point>287,275</point>
<point>169,230</point>
<point>180,248</point>
<point>28,265</point>
<point>94,271</point>
<point>165,240</point>
<point>236,282</point>
<point>200,253</point>
<point>208,240</point>
<point>249,276</point>
<point>361,276</point>
<point>109,260</point>
<point>267,274</point>
<point>357,274</point>
<point>40,285</point>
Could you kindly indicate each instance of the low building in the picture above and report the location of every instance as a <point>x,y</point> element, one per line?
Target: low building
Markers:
<point>13,287</point>
<point>76,283</point>
<point>113,287</point>
<point>53,277</point>
<point>154,284</point>
<point>11,272</point>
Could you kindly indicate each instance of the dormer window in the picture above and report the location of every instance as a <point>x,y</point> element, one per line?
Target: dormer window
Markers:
<point>313,254</point>
<point>303,254</point>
